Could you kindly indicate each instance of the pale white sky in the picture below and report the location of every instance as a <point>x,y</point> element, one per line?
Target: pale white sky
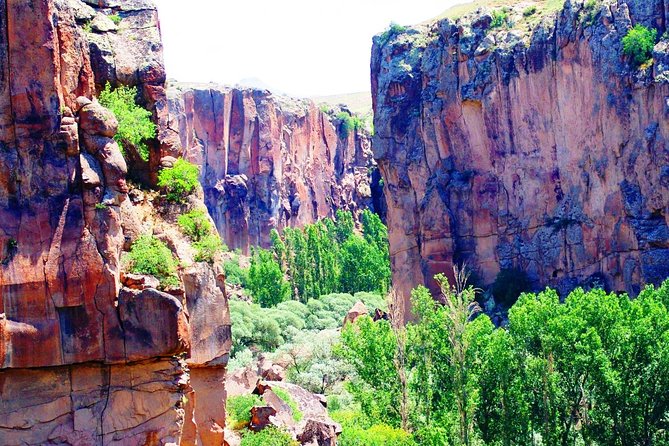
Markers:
<point>300,47</point>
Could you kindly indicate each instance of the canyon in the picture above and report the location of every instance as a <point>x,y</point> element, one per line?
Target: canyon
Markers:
<point>269,162</point>
<point>539,148</point>
<point>536,147</point>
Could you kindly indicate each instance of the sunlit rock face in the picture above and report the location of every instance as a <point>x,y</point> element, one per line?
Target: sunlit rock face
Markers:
<point>268,161</point>
<point>83,360</point>
<point>542,150</point>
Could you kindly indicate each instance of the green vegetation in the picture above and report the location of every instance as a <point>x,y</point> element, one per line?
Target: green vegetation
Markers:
<point>592,370</point>
<point>285,396</point>
<point>266,282</point>
<point>134,122</point>
<point>638,44</point>
<point>148,255</point>
<point>234,273</point>
<point>265,329</point>
<point>208,247</point>
<point>500,18</point>
<point>195,224</point>
<point>180,180</point>
<point>348,123</point>
<point>269,436</point>
<point>324,257</point>
<point>101,206</point>
<point>115,18</point>
<point>529,11</point>
<point>198,228</point>
<point>239,408</point>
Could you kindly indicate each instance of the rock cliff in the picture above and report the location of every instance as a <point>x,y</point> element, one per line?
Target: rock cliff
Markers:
<point>268,161</point>
<point>538,147</point>
<point>83,359</point>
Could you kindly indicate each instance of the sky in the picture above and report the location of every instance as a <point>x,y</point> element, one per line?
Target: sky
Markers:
<point>297,47</point>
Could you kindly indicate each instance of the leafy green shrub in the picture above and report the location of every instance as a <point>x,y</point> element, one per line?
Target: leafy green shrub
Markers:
<point>207,247</point>
<point>509,284</point>
<point>134,122</point>
<point>195,224</point>
<point>239,409</point>
<point>638,44</point>
<point>148,255</point>
<point>270,436</point>
<point>115,18</point>
<point>500,17</point>
<point>348,123</point>
<point>180,180</point>
<point>529,11</point>
<point>285,396</point>
<point>234,273</point>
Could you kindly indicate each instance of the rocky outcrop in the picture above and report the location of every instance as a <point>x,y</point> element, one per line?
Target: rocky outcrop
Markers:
<point>84,360</point>
<point>267,161</point>
<point>543,150</point>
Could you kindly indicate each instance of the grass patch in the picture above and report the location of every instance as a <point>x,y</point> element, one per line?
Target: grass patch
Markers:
<point>285,396</point>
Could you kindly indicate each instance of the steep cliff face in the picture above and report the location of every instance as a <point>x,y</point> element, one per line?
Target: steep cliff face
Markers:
<point>539,148</point>
<point>267,161</point>
<point>83,360</point>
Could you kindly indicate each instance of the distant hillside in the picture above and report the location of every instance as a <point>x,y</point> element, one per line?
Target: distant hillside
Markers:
<point>457,11</point>
<point>360,103</point>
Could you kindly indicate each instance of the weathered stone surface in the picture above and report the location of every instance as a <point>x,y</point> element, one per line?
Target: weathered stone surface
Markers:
<point>93,404</point>
<point>359,309</point>
<point>266,161</point>
<point>546,153</point>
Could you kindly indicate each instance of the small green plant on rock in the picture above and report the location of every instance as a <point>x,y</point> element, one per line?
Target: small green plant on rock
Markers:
<point>115,18</point>
<point>393,30</point>
<point>179,181</point>
<point>134,122</point>
<point>500,18</point>
<point>148,255</point>
<point>638,44</point>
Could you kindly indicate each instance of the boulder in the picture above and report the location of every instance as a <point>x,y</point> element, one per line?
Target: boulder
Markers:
<point>358,309</point>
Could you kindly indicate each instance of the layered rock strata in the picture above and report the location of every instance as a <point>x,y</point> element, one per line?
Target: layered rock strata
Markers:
<point>538,147</point>
<point>268,161</point>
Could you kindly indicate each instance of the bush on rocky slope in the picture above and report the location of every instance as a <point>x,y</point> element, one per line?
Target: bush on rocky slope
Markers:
<point>148,255</point>
<point>638,44</point>
<point>134,122</point>
<point>180,180</point>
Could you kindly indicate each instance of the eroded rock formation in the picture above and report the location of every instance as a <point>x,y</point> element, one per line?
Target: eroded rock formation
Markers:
<point>543,150</point>
<point>83,360</point>
<point>267,161</point>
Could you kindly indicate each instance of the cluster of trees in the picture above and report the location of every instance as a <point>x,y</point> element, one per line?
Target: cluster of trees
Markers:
<point>593,370</point>
<point>322,258</point>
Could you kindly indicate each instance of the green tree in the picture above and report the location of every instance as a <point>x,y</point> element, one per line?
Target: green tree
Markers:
<point>265,281</point>
<point>134,122</point>
<point>363,267</point>
<point>638,44</point>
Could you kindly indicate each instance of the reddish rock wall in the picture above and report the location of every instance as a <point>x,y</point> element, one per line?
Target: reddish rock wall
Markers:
<point>83,361</point>
<point>539,150</point>
<point>267,161</point>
